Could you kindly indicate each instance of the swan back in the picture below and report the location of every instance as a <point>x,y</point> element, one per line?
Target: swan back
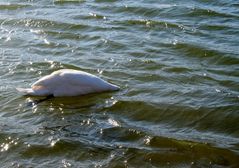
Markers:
<point>67,82</point>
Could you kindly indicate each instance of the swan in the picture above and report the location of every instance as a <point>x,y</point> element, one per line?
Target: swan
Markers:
<point>68,82</point>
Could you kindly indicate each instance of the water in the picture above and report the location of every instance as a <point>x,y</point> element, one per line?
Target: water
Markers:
<point>177,65</point>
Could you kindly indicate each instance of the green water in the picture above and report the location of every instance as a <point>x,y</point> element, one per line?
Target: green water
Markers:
<point>177,64</point>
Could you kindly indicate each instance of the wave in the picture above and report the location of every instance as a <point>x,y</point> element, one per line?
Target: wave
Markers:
<point>12,6</point>
<point>179,116</point>
<point>204,53</point>
<point>152,150</point>
<point>67,1</point>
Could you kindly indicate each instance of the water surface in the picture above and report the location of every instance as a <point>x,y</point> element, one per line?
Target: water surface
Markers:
<point>176,62</point>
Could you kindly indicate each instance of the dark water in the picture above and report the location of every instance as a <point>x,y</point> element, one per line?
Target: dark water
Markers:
<point>176,62</point>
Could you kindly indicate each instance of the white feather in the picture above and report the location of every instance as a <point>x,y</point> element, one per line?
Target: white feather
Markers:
<point>68,82</point>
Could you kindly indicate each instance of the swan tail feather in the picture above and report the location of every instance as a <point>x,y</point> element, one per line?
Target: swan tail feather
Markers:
<point>26,91</point>
<point>35,91</point>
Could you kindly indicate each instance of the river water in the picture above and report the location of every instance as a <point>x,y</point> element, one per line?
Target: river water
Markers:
<point>177,63</point>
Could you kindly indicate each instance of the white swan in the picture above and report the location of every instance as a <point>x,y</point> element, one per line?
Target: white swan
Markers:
<point>68,82</point>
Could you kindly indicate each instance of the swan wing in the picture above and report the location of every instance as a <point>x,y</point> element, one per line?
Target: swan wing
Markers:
<point>86,80</point>
<point>72,83</point>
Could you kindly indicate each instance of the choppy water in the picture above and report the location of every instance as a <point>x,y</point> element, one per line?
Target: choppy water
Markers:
<point>176,62</point>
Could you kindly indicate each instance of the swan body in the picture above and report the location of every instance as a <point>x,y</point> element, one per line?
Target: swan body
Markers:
<point>68,82</point>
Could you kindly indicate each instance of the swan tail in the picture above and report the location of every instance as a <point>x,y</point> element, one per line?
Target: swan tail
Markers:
<point>35,91</point>
<point>26,91</point>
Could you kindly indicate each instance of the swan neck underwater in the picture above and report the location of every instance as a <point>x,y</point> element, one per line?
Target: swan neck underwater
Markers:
<point>36,102</point>
<point>67,82</point>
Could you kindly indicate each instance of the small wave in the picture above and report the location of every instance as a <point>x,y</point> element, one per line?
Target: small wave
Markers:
<point>67,1</point>
<point>216,27</point>
<point>149,23</point>
<point>45,23</point>
<point>10,6</point>
<point>204,53</point>
<point>143,10</point>
<point>177,69</point>
<point>202,10</point>
<point>174,147</point>
<point>178,115</point>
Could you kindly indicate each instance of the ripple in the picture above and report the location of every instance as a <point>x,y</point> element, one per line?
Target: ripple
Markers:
<point>45,23</point>
<point>210,13</point>
<point>139,10</point>
<point>68,1</point>
<point>11,6</point>
<point>177,69</point>
<point>215,56</point>
<point>149,24</point>
<point>178,116</point>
